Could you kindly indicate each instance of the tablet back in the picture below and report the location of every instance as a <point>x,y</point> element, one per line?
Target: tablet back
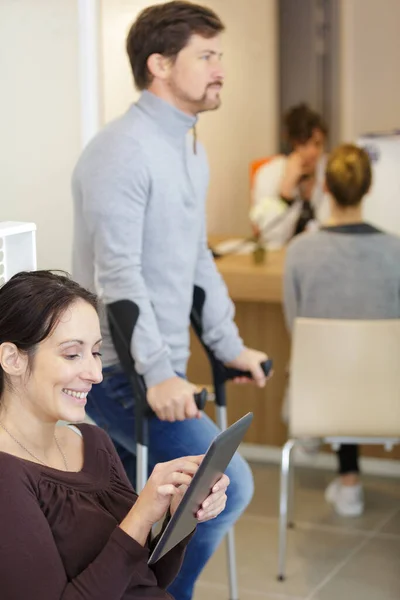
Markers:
<point>214,464</point>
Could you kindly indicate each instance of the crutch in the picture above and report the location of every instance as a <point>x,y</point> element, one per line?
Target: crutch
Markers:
<point>221,374</point>
<point>122,317</point>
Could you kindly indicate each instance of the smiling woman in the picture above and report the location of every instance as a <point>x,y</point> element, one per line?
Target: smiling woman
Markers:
<point>45,370</point>
<point>64,498</point>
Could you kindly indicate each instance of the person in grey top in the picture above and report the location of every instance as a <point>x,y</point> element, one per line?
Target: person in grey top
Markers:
<point>347,270</point>
<point>139,193</point>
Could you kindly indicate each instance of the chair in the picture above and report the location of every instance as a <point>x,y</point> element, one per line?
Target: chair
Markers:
<point>122,318</point>
<point>344,388</point>
<point>255,165</point>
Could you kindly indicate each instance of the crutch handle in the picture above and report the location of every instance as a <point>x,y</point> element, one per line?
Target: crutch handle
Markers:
<point>233,373</point>
<point>201,399</point>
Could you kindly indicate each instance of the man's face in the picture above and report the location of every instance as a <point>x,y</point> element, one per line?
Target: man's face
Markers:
<point>196,77</point>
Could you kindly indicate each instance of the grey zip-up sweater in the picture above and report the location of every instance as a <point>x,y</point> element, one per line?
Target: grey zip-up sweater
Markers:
<point>343,272</point>
<point>139,193</point>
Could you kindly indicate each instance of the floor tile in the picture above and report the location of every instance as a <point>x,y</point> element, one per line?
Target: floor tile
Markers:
<point>392,527</point>
<point>206,591</point>
<point>381,497</point>
<point>372,574</point>
<point>338,559</point>
<point>312,554</point>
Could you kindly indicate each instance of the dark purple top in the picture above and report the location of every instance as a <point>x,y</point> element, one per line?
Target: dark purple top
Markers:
<point>59,534</point>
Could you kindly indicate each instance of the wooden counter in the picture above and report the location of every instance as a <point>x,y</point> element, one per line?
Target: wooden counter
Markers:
<point>257,293</point>
<point>249,282</point>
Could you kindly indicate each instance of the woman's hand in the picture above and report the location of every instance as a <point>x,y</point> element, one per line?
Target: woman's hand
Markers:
<point>294,169</point>
<point>163,485</point>
<point>212,506</point>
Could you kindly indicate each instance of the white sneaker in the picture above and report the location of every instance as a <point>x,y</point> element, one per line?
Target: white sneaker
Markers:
<point>347,500</point>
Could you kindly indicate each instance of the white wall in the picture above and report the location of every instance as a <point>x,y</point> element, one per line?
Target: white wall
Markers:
<point>245,127</point>
<point>40,113</point>
<point>118,89</point>
<point>370,59</point>
<point>40,110</point>
<point>39,120</point>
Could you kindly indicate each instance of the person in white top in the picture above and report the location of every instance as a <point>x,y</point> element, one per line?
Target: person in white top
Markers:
<point>288,192</point>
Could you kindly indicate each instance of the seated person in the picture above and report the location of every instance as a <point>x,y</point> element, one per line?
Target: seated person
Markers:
<point>71,525</point>
<point>347,270</point>
<point>288,192</point>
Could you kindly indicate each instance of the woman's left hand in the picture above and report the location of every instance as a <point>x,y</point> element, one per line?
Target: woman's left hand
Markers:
<point>212,506</point>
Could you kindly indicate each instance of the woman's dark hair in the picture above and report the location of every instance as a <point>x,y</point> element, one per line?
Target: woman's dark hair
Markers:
<point>165,29</point>
<point>31,304</point>
<point>300,123</point>
<point>348,175</point>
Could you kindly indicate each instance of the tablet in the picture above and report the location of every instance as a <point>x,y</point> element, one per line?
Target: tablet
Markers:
<point>214,464</point>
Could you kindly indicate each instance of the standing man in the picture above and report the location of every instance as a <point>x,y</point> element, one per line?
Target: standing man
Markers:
<point>139,191</point>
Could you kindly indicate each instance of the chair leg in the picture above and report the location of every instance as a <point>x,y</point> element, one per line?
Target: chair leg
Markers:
<point>222,423</point>
<point>291,494</point>
<point>283,506</point>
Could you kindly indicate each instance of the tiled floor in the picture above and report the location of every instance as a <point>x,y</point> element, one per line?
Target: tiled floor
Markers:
<point>329,558</point>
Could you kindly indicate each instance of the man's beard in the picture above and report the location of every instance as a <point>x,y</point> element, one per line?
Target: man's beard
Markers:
<point>202,104</point>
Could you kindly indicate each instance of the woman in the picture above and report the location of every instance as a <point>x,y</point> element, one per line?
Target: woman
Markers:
<point>347,270</point>
<point>288,191</point>
<point>71,525</point>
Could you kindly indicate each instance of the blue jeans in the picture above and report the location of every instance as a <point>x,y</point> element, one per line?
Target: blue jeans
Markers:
<point>111,406</point>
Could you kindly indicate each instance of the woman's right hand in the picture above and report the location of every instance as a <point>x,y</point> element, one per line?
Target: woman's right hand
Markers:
<point>155,498</point>
<point>293,171</point>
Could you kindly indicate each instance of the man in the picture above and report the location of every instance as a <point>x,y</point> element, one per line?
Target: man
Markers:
<point>139,191</point>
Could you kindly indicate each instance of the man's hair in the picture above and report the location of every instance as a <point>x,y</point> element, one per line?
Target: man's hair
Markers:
<point>348,174</point>
<point>300,122</point>
<point>166,29</point>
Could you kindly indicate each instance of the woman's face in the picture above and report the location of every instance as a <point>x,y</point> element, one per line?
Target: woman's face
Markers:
<point>311,150</point>
<point>65,366</point>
